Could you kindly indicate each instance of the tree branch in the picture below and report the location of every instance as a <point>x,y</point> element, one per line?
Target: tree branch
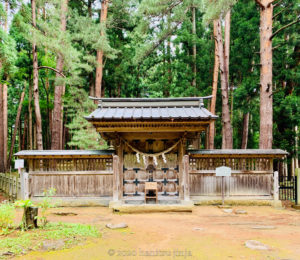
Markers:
<point>49,68</point>
<point>156,44</point>
<point>284,27</point>
<point>260,4</point>
<point>281,11</point>
<point>277,4</point>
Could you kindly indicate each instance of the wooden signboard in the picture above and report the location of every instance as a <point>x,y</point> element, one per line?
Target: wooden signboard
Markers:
<point>223,172</point>
<point>19,164</point>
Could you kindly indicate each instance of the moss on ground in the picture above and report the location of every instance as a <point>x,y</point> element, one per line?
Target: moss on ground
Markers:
<point>20,242</point>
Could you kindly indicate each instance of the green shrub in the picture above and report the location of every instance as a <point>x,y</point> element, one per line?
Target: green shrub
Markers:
<point>45,204</point>
<point>7,215</point>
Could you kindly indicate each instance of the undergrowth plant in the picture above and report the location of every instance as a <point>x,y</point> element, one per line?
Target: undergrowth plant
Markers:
<point>7,214</point>
<point>45,204</point>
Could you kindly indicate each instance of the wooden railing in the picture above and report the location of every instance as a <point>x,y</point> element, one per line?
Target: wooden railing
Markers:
<point>237,165</point>
<point>73,164</point>
<point>10,185</point>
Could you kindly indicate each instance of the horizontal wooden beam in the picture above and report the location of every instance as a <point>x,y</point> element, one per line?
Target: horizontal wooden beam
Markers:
<point>232,171</point>
<point>44,173</point>
<point>237,156</point>
<point>151,129</point>
<point>65,156</point>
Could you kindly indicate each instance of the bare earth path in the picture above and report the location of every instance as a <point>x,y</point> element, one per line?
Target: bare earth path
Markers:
<point>207,233</point>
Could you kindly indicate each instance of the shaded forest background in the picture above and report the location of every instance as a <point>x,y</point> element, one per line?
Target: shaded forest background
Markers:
<point>58,53</point>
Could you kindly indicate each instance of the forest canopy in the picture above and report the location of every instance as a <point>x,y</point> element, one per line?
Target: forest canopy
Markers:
<point>55,54</point>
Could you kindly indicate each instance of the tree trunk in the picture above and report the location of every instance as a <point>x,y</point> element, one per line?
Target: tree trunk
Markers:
<point>30,116</point>
<point>57,122</point>
<point>1,131</point>
<point>194,48</point>
<point>227,45</point>
<point>5,129</point>
<point>38,118</point>
<point>16,127</point>
<point>226,124</point>
<point>30,217</point>
<point>266,97</point>
<point>99,69</point>
<point>24,132</point>
<point>214,89</point>
<point>245,131</point>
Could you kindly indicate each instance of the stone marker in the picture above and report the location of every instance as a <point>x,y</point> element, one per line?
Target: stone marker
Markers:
<point>256,245</point>
<point>116,226</point>
<point>227,210</point>
<point>240,211</point>
<point>263,227</point>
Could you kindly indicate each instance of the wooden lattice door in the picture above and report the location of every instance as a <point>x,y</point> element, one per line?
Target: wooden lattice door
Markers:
<point>167,178</point>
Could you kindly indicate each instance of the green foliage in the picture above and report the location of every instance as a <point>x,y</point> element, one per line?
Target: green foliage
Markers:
<point>7,54</point>
<point>46,204</point>
<point>216,9</point>
<point>84,135</point>
<point>148,48</point>
<point>23,203</point>
<point>24,242</point>
<point>7,215</point>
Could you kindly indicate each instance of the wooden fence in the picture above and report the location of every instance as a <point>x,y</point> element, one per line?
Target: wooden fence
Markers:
<point>99,174</point>
<point>71,177</point>
<point>10,185</point>
<point>252,176</point>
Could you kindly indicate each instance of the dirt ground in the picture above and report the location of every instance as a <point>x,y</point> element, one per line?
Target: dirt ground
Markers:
<point>207,233</point>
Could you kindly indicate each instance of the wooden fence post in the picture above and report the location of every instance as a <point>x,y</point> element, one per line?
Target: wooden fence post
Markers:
<point>276,186</point>
<point>185,178</point>
<point>24,186</point>
<point>116,178</point>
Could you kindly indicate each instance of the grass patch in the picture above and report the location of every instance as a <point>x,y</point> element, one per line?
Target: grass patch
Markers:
<point>20,242</point>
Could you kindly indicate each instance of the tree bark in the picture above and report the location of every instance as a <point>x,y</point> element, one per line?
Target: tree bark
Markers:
<point>57,123</point>
<point>245,130</point>
<point>99,69</point>
<point>30,134</point>
<point>5,129</point>
<point>38,118</point>
<point>266,97</point>
<point>226,124</point>
<point>4,102</point>
<point>194,48</point>
<point>1,131</point>
<point>16,127</point>
<point>24,132</point>
<point>227,45</point>
<point>30,217</point>
<point>214,90</point>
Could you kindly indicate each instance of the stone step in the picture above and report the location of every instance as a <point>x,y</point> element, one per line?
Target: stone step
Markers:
<point>182,206</point>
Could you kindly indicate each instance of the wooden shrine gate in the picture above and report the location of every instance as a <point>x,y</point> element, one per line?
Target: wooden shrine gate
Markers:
<point>134,178</point>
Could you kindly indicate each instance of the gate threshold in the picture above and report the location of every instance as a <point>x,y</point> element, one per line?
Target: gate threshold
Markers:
<point>120,206</point>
